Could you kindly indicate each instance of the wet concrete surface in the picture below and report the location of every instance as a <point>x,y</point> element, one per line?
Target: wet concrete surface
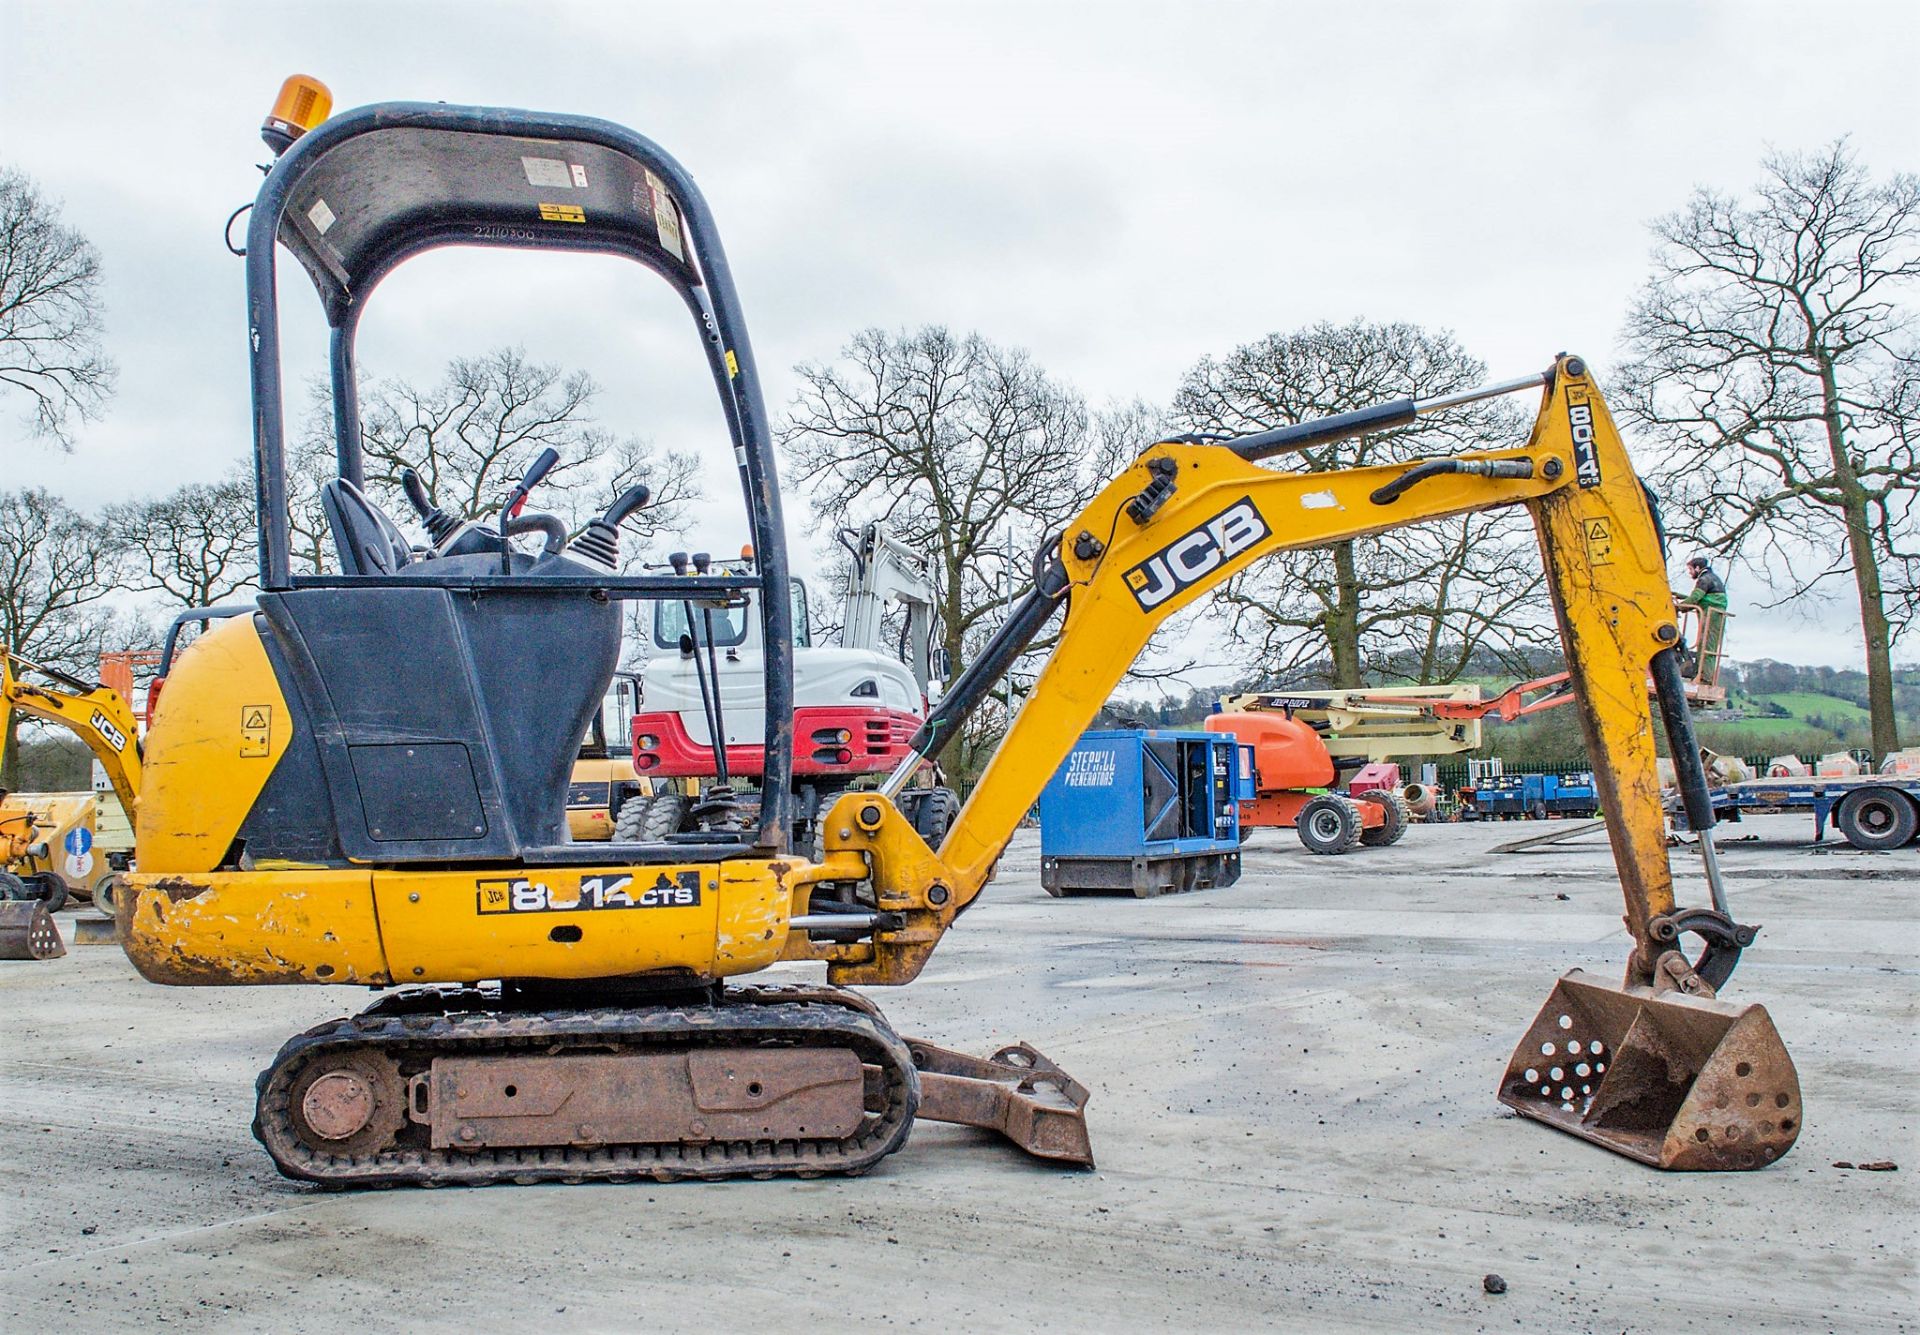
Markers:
<point>1293,1110</point>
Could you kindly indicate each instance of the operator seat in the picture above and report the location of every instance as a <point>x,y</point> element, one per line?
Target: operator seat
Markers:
<point>367,541</point>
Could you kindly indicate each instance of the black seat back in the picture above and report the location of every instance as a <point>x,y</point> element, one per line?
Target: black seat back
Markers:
<point>368,543</point>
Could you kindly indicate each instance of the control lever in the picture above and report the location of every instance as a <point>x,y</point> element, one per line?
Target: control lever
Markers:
<point>517,500</point>
<point>600,540</point>
<point>438,523</point>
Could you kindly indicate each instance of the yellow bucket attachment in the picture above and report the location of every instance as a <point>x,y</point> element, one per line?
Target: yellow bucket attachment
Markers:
<point>1672,1080</point>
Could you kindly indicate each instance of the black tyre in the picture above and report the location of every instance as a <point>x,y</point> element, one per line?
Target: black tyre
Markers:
<point>49,890</point>
<point>1329,824</point>
<point>933,815</point>
<point>631,818</point>
<point>104,889</point>
<point>12,887</point>
<point>1537,811</point>
<point>666,815</point>
<point>1399,815</point>
<point>1877,818</point>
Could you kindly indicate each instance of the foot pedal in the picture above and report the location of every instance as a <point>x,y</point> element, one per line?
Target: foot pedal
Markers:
<point>1676,1081</point>
<point>1017,1092</point>
<point>28,932</point>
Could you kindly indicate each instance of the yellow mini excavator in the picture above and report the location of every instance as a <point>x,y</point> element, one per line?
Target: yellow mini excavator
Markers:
<point>364,782</point>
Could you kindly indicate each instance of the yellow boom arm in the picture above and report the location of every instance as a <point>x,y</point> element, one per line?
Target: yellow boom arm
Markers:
<point>1187,517</point>
<point>97,715</point>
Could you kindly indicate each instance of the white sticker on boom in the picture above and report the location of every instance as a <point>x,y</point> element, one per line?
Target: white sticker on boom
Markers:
<point>320,216</point>
<point>547,173</point>
<point>666,218</point>
<point>579,176</point>
<point>1319,500</point>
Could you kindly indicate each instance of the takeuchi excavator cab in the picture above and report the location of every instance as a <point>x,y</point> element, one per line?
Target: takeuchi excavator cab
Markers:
<point>436,689</point>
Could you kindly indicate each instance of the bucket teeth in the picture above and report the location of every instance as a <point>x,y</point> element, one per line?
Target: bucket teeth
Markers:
<point>1672,1080</point>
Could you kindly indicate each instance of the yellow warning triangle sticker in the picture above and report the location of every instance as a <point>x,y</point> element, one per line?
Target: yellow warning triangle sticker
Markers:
<point>1597,528</point>
<point>256,718</point>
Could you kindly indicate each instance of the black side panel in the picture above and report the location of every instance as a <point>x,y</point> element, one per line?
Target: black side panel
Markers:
<point>443,725</point>
<point>293,816</point>
<point>426,790</point>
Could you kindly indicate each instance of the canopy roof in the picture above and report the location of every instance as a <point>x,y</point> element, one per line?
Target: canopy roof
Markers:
<point>365,191</point>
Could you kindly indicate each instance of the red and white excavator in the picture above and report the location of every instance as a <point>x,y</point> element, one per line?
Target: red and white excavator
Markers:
<point>856,703</point>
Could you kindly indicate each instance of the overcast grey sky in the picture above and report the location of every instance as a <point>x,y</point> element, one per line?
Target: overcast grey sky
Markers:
<point>1118,188</point>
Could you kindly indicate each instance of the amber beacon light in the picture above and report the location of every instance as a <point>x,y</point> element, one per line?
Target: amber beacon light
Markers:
<point>302,104</point>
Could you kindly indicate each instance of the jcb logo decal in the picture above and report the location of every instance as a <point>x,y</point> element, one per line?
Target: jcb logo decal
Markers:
<point>1196,554</point>
<point>1586,454</point>
<point>104,726</point>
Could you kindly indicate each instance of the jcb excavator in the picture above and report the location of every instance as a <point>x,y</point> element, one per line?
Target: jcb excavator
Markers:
<point>570,1011</point>
<point>40,853</point>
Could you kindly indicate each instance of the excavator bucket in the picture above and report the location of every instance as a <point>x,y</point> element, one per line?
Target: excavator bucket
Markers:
<point>1672,1080</point>
<point>27,932</point>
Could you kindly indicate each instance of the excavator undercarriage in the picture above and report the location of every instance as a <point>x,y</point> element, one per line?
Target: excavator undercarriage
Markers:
<point>460,1086</point>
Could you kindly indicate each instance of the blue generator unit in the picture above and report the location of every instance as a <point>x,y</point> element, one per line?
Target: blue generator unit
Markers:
<point>1145,811</point>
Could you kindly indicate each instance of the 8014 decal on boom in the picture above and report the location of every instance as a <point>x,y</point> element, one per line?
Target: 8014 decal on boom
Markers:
<point>1193,555</point>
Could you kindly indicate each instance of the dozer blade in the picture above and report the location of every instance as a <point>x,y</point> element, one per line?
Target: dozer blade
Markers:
<point>1672,1080</point>
<point>1017,1092</point>
<point>28,932</point>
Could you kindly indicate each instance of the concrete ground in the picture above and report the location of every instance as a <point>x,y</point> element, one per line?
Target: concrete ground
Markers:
<point>1293,1108</point>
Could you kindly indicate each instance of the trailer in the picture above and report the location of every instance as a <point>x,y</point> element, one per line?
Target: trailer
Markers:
<point>1871,811</point>
<point>1145,812</point>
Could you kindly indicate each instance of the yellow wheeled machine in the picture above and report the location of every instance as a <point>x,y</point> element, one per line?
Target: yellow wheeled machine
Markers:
<point>569,1011</point>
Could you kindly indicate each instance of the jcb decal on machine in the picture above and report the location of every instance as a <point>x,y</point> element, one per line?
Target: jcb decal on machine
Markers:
<point>104,726</point>
<point>1195,554</point>
<point>521,894</point>
<point>1586,454</point>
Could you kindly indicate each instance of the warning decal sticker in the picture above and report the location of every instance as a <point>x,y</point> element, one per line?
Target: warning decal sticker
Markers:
<point>1599,534</point>
<point>256,730</point>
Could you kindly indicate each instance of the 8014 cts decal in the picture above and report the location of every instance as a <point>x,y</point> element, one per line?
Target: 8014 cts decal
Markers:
<point>680,890</point>
<point>1586,453</point>
<point>1196,553</point>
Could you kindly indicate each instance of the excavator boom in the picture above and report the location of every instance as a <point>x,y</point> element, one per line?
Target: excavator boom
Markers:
<point>1189,516</point>
<point>97,714</point>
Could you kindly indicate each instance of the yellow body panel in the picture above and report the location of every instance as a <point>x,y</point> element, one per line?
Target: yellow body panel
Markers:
<point>218,731</point>
<point>306,926</point>
<point>317,925</point>
<point>712,920</point>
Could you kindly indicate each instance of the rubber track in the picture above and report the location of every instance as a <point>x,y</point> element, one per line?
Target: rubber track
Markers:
<point>413,1039</point>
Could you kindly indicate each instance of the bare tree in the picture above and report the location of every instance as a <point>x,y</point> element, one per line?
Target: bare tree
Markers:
<point>967,450</point>
<point>50,355</point>
<point>1418,602</point>
<point>1773,365</point>
<point>197,544</point>
<point>56,569</point>
<point>472,435</point>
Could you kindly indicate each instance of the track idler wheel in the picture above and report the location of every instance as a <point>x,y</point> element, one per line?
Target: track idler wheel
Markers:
<point>350,1104</point>
<point>1671,1079</point>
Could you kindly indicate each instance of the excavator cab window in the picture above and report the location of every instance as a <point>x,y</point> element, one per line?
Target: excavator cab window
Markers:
<point>732,627</point>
